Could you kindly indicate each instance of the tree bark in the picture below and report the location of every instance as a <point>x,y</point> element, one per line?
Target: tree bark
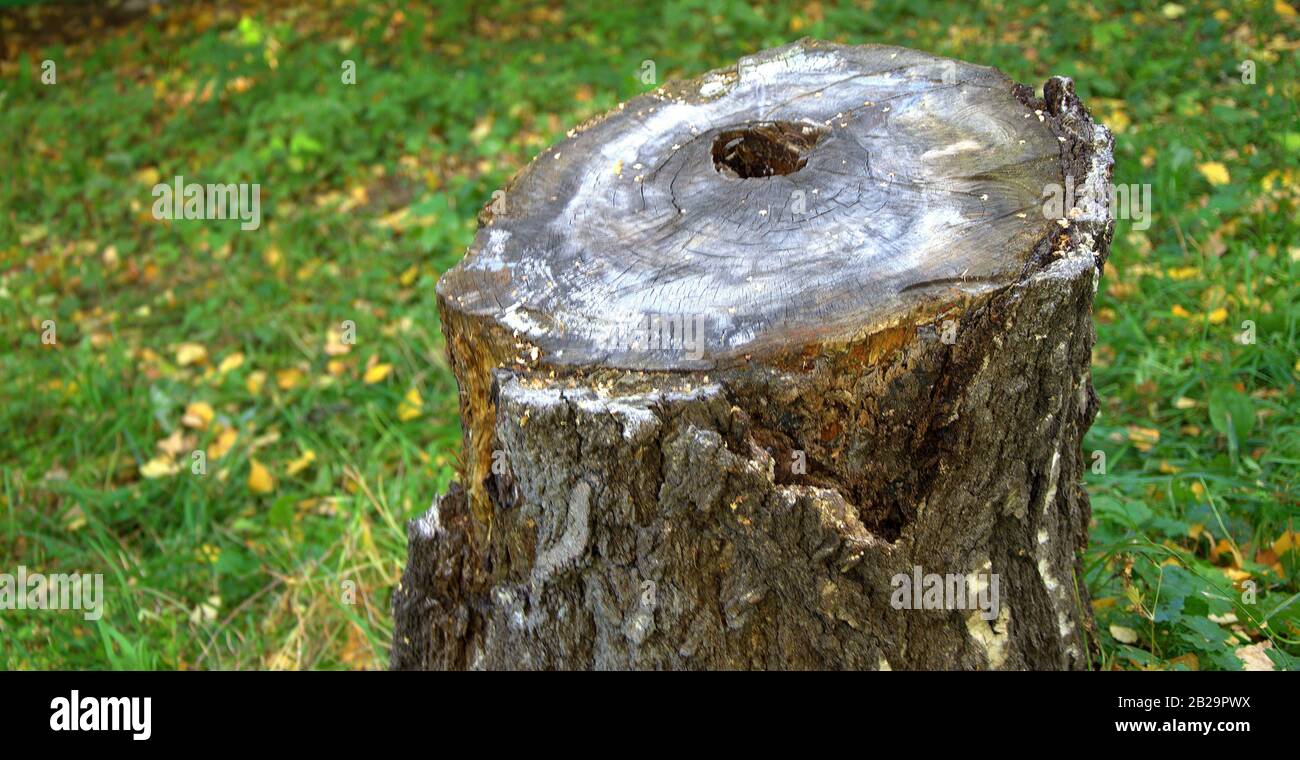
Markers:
<point>745,362</point>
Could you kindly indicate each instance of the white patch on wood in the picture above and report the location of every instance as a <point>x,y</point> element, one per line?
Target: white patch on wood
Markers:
<point>429,524</point>
<point>1056,593</point>
<point>994,639</point>
<point>522,322</point>
<point>713,87</point>
<point>961,146</point>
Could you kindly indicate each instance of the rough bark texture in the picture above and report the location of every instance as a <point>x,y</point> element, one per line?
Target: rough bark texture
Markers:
<point>751,506</point>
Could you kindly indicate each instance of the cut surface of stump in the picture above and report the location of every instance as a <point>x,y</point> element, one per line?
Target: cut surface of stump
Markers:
<point>737,356</point>
<point>815,194</point>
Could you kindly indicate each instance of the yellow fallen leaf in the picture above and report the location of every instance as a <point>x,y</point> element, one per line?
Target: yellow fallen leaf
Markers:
<point>287,379</point>
<point>148,176</point>
<point>377,373</point>
<point>395,220</point>
<point>173,445</point>
<point>1180,312</point>
<point>158,467</point>
<point>1118,119</point>
<point>1123,635</point>
<point>255,381</point>
<point>1218,316</point>
<point>1283,9</point>
<point>198,415</point>
<point>408,277</point>
<point>411,407</point>
<point>1182,273</point>
<point>272,256</point>
<point>335,367</point>
<point>1143,438</point>
<point>1285,543</point>
<point>302,462</point>
<point>334,345</point>
<point>259,478</point>
<point>190,353</point>
<point>75,519</point>
<point>231,363</point>
<point>222,445</point>
<point>1214,172</point>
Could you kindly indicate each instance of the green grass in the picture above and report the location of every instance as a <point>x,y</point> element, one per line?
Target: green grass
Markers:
<point>369,192</point>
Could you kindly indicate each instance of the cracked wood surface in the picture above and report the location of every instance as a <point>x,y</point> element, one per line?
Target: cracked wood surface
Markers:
<point>905,175</point>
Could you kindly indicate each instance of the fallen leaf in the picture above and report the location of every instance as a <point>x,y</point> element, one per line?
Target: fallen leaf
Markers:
<point>190,353</point>
<point>75,519</point>
<point>198,415</point>
<point>287,379</point>
<point>159,467</point>
<point>230,363</point>
<point>1123,635</point>
<point>1143,438</point>
<point>302,462</point>
<point>223,443</point>
<point>174,445</point>
<point>334,345</point>
<point>255,381</point>
<point>411,407</point>
<point>1214,172</point>
<point>377,373</point>
<point>1218,316</point>
<point>1253,656</point>
<point>148,176</point>
<point>206,612</point>
<point>259,478</point>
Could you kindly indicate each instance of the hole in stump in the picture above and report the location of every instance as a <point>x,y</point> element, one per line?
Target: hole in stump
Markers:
<point>764,150</point>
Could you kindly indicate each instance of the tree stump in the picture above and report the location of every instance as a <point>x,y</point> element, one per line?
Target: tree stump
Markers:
<point>748,362</point>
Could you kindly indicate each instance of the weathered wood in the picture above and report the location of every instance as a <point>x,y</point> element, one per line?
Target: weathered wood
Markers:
<point>738,355</point>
